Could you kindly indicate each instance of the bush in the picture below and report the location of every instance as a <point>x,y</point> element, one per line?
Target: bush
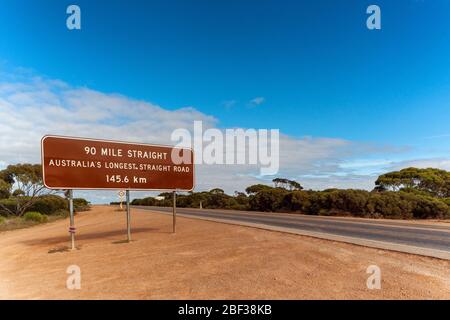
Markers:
<point>49,204</point>
<point>359,203</point>
<point>389,205</point>
<point>446,201</point>
<point>428,207</point>
<point>80,204</point>
<point>268,200</point>
<point>10,204</point>
<point>352,201</point>
<point>35,216</point>
<point>298,201</point>
<point>45,204</point>
<point>62,213</point>
<point>4,189</point>
<point>2,220</point>
<point>149,201</point>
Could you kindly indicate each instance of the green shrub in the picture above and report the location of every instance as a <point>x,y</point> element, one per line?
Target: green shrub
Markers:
<point>45,204</point>
<point>49,204</point>
<point>2,220</point>
<point>10,204</point>
<point>35,216</point>
<point>358,203</point>
<point>350,201</point>
<point>428,207</point>
<point>80,204</point>
<point>149,201</point>
<point>61,212</point>
<point>298,201</point>
<point>268,200</point>
<point>408,204</point>
<point>446,201</point>
<point>4,189</point>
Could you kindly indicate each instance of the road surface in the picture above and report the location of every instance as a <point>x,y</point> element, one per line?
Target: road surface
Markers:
<point>411,237</point>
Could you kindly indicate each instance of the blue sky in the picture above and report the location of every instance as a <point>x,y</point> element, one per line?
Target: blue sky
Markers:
<point>315,67</point>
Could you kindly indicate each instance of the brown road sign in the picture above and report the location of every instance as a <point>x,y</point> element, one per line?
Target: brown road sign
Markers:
<point>80,163</point>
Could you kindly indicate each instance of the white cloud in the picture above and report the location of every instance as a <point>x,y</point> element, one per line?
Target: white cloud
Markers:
<point>257,101</point>
<point>229,104</point>
<point>440,163</point>
<point>31,107</point>
<point>29,110</point>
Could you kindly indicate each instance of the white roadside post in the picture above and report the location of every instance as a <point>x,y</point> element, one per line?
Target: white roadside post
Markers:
<point>120,194</point>
<point>128,216</point>
<point>174,220</point>
<point>72,220</point>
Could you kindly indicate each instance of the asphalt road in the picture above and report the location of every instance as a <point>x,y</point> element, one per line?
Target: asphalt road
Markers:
<point>397,234</point>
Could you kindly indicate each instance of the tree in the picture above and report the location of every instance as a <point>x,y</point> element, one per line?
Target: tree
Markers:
<point>18,193</point>
<point>257,188</point>
<point>27,178</point>
<point>217,198</point>
<point>268,200</point>
<point>280,182</point>
<point>199,197</point>
<point>216,191</point>
<point>6,176</point>
<point>166,195</point>
<point>434,182</point>
<point>6,181</point>
<point>379,188</point>
<point>287,184</point>
<point>294,185</point>
<point>5,189</point>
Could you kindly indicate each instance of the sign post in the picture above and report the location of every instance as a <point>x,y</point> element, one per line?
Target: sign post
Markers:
<point>72,220</point>
<point>80,163</point>
<point>128,217</point>
<point>174,212</point>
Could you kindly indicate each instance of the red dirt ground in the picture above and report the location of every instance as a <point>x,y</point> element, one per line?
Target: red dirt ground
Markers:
<point>203,260</point>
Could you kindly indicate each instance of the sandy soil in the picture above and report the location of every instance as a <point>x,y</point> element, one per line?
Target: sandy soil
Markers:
<point>203,260</point>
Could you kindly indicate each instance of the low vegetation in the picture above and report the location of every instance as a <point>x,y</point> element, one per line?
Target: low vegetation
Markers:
<point>24,201</point>
<point>35,216</point>
<point>80,204</point>
<point>407,194</point>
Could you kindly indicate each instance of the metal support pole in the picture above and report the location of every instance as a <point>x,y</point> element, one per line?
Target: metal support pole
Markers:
<point>174,212</point>
<point>128,217</point>
<point>72,221</point>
